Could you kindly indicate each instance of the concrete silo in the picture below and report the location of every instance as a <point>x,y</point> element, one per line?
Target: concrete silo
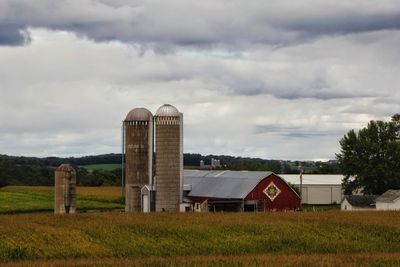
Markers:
<point>169,158</point>
<point>138,146</point>
<point>65,188</point>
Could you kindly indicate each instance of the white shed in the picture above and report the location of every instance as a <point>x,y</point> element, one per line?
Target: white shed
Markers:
<point>318,188</point>
<point>358,202</point>
<point>390,200</point>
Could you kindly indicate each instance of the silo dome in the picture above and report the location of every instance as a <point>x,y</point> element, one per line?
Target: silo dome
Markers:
<point>167,110</point>
<point>65,168</point>
<point>139,114</point>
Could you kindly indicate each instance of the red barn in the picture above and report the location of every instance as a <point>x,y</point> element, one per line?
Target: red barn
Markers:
<point>238,191</point>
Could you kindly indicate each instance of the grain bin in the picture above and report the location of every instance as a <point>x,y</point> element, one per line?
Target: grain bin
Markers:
<point>138,146</point>
<point>65,188</point>
<point>169,158</point>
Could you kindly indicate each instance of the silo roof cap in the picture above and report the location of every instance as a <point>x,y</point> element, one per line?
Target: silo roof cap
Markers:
<point>65,168</point>
<point>139,114</point>
<point>167,110</point>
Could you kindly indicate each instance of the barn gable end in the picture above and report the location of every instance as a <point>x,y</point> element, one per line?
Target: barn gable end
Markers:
<point>275,193</point>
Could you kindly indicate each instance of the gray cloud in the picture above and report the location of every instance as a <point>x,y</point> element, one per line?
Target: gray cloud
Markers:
<point>13,35</point>
<point>228,24</point>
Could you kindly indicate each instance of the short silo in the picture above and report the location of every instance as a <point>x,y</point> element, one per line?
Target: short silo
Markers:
<point>169,158</point>
<point>138,146</point>
<point>65,188</point>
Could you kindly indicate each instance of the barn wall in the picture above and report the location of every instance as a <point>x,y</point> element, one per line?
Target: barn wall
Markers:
<point>388,206</point>
<point>286,200</point>
<point>345,206</point>
<point>322,194</point>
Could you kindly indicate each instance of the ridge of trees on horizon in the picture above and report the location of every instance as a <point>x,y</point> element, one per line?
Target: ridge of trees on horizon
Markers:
<point>19,170</point>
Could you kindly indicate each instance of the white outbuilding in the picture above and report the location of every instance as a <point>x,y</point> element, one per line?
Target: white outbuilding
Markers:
<point>390,200</point>
<point>358,202</point>
<point>318,189</point>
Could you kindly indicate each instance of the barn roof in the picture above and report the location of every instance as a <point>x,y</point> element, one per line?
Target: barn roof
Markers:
<point>223,184</point>
<point>389,196</point>
<point>314,179</point>
<point>361,200</point>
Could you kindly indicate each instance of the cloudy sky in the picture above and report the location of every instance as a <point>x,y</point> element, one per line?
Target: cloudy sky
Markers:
<point>271,79</point>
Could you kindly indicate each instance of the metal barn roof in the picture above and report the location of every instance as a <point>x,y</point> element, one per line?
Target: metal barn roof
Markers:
<point>223,184</point>
<point>314,179</point>
<point>389,196</point>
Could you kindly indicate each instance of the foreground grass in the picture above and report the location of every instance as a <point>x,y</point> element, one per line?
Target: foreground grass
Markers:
<point>219,238</point>
<point>346,259</point>
<point>26,199</point>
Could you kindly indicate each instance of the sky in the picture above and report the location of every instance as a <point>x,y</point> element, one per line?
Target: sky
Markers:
<point>269,79</point>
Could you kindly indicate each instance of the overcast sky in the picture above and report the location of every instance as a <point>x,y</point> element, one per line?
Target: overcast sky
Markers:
<point>270,79</point>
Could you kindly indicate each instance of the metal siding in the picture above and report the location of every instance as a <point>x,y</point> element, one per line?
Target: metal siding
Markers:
<point>319,195</point>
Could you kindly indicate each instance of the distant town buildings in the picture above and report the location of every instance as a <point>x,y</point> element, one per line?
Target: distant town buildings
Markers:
<point>215,163</point>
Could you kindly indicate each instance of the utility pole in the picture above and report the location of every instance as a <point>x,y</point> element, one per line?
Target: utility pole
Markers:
<point>123,160</point>
<point>301,186</point>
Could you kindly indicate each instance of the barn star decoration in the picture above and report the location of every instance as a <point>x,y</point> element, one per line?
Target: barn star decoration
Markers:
<point>272,191</point>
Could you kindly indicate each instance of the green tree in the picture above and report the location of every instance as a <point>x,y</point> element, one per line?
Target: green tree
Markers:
<point>370,158</point>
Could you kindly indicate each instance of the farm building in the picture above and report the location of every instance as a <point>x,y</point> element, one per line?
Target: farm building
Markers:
<point>152,149</point>
<point>238,191</point>
<point>390,200</point>
<point>138,152</point>
<point>318,188</point>
<point>358,202</point>
<point>64,189</point>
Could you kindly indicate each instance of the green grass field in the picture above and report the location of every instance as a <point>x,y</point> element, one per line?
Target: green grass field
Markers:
<point>107,167</point>
<point>27,199</point>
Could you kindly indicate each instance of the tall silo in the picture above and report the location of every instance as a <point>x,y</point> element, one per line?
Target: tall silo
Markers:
<point>138,146</point>
<point>65,188</point>
<point>169,158</point>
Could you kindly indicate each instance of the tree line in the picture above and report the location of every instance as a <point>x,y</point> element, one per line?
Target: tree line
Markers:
<point>35,171</point>
<point>18,170</point>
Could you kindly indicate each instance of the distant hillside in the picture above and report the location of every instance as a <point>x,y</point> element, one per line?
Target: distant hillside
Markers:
<point>17,170</point>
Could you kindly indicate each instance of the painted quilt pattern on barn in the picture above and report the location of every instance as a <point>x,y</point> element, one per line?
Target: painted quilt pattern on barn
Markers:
<point>272,191</point>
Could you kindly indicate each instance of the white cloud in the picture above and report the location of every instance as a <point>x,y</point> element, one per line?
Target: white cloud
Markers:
<point>65,93</point>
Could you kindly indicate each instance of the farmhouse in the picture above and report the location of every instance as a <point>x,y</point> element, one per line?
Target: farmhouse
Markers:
<point>390,200</point>
<point>358,202</point>
<point>238,191</point>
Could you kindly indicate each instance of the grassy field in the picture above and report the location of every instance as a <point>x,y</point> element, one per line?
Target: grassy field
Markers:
<point>108,167</point>
<point>331,238</point>
<point>27,199</point>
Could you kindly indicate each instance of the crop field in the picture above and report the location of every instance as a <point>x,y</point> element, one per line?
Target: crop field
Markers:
<point>27,199</point>
<point>107,167</point>
<point>330,238</point>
